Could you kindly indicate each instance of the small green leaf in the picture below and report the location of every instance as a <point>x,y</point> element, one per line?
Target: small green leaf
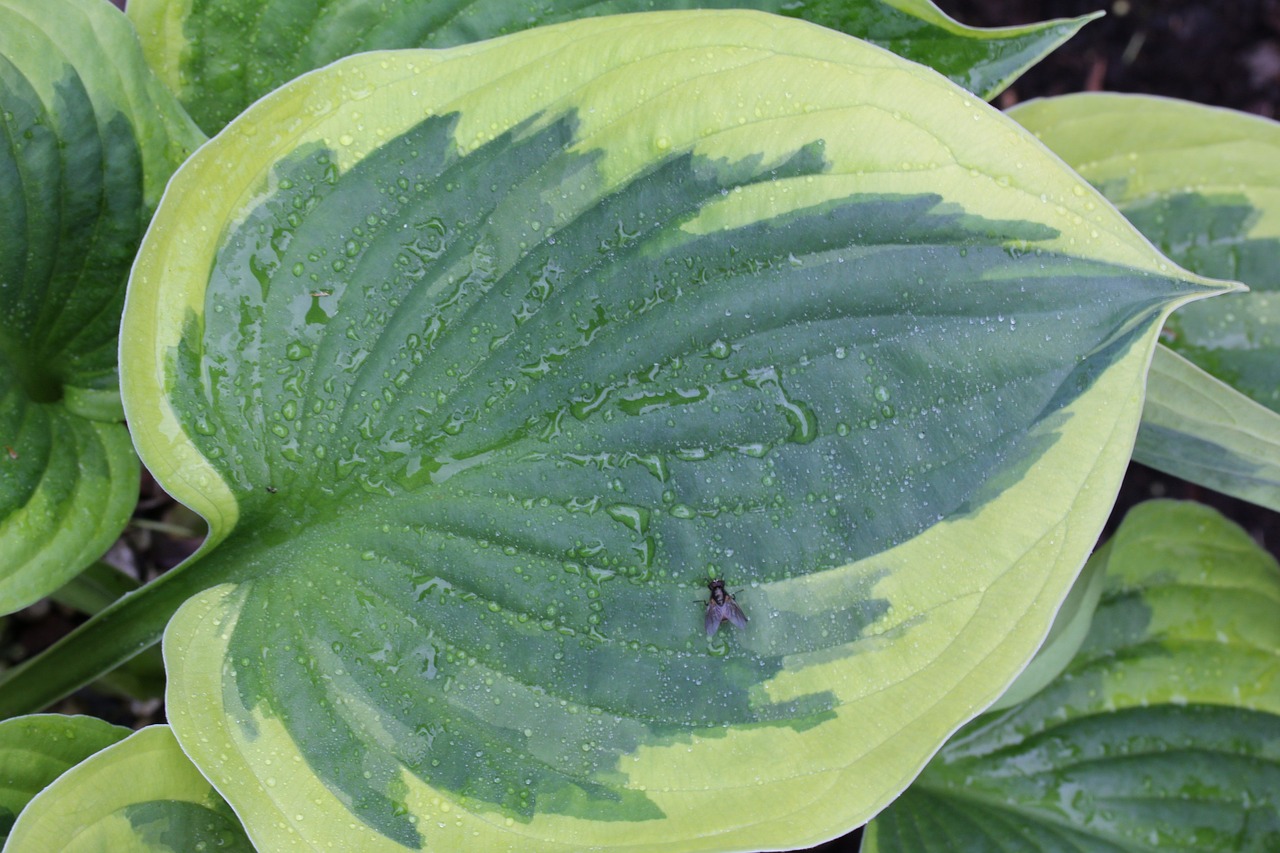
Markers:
<point>90,137</point>
<point>1162,734</point>
<point>221,55</point>
<point>1203,184</point>
<point>984,61</point>
<point>483,368</point>
<point>142,795</point>
<point>1203,430</point>
<point>36,750</point>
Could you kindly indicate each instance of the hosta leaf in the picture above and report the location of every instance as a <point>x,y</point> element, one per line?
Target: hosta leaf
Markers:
<point>221,55</point>
<point>481,362</point>
<point>1204,185</point>
<point>984,61</point>
<point>1198,427</point>
<point>90,137</point>
<point>1162,734</point>
<point>142,795</point>
<point>37,749</point>
<point>1068,632</point>
<point>68,486</point>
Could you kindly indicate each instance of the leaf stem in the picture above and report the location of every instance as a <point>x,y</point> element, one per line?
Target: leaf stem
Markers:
<point>116,634</point>
<point>95,589</point>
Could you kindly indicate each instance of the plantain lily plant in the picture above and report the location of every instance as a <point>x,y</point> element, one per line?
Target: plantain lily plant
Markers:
<point>505,357</point>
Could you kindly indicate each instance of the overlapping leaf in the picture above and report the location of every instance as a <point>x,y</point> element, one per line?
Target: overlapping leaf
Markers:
<point>1162,734</point>
<point>481,362</point>
<point>90,137</point>
<point>1199,428</point>
<point>221,55</point>
<point>1203,185</point>
<point>36,750</point>
<point>141,795</point>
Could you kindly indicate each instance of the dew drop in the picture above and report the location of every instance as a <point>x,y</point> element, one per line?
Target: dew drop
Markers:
<point>636,518</point>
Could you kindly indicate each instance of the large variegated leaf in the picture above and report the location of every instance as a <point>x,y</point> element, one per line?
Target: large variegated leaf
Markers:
<point>141,795</point>
<point>1162,734</point>
<point>37,749</point>
<point>1204,185</point>
<point>481,362</point>
<point>221,55</point>
<point>90,137</point>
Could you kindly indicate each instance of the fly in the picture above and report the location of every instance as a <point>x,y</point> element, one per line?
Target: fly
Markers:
<point>721,606</point>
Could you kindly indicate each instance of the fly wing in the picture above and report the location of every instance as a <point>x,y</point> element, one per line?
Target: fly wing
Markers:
<point>731,611</point>
<point>715,615</point>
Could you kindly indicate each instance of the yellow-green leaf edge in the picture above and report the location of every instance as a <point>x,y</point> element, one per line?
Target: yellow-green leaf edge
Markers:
<point>1019,552</point>
<point>926,10</point>
<point>87,809</point>
<point>38,748</point>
